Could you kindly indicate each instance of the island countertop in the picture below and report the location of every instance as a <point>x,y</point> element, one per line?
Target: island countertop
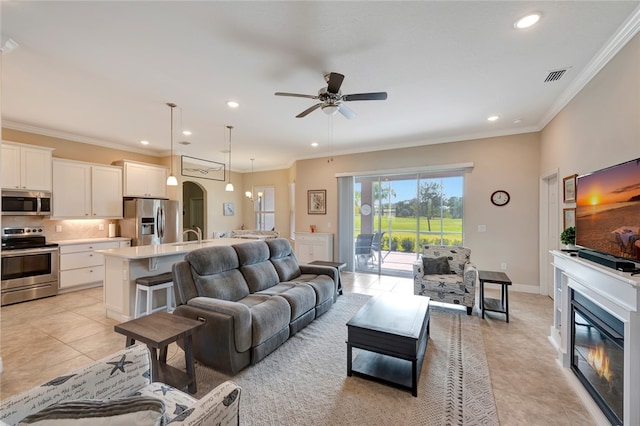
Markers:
<point>167,249</point>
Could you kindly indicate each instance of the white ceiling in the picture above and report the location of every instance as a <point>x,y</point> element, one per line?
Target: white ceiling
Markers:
<point>101,72</point>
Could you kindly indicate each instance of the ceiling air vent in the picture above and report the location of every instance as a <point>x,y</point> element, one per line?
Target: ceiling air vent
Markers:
<point>555,75</point>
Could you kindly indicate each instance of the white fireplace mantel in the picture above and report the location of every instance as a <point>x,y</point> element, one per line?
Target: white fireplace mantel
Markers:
<point>614,291</point>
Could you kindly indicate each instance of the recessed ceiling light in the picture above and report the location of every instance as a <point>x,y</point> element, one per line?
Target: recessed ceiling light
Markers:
<point>517,121</point>
<point>527,21</point>
<point>493,118</point>
<point>232,104</point>
<point>144,142</point>
<point>314,144</point>
<point>186,132</point>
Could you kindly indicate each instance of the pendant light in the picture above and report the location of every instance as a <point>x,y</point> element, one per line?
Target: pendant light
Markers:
<point>248,194</point>
<point>229,186</point>
<point>171,180</point>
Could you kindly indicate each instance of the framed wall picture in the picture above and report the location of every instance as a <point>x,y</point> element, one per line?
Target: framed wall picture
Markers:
<point>569,189</point>
<point>317,201</point>
<point>228,209</point>
<point>569,218</point>
<point>199,168</point>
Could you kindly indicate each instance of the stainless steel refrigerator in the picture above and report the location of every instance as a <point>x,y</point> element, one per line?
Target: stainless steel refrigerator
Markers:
<point>149,221</point>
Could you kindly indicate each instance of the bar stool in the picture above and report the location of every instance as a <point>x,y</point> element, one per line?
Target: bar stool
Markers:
<point>150,285</point>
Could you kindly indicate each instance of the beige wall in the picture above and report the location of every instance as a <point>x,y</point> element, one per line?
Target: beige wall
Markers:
<point>509,162</point>
<point>79,151</point>
<point>601,125</point>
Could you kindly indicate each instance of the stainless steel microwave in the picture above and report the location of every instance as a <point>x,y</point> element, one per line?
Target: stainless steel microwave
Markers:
<point>26,203</point>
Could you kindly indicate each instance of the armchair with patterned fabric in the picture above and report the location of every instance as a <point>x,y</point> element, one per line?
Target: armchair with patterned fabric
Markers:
<point>446,274</point>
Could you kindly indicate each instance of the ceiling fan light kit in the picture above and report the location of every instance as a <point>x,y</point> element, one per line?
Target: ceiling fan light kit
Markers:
<point>331,98</point>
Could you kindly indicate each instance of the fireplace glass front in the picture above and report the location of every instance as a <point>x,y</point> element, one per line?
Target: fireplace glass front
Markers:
<point>598,355</point>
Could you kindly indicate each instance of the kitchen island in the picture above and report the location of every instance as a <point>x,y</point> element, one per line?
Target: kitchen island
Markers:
<point>124,265</point>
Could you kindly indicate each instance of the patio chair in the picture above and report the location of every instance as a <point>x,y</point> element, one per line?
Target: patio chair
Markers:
<point>364,243</point>
<point>376,246</point>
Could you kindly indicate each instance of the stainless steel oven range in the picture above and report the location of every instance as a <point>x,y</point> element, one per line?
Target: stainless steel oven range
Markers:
<point>29,265</point>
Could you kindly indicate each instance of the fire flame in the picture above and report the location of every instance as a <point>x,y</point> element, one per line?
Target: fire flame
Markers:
<point>599,360</point>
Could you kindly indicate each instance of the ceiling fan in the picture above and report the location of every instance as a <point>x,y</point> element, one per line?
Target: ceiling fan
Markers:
<point>331,97</point>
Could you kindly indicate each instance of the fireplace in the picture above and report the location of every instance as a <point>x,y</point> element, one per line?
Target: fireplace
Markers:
<point>597,345</point>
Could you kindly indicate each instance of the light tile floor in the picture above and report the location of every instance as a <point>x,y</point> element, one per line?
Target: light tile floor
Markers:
<point>42,339</point>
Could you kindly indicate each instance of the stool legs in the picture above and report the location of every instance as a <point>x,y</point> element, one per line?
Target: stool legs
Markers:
<point>148,297</point>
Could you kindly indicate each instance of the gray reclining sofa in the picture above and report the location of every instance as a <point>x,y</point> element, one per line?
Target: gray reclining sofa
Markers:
<point>252,296</point>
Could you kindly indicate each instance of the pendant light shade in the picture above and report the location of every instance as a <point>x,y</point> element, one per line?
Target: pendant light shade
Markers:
<point>229,187</point>
<point>171,180</point>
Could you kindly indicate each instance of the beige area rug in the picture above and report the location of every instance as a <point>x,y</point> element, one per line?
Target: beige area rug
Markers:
<point>304,382</point>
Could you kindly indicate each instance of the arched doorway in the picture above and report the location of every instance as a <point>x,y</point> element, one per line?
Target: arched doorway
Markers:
<point>193,209</point>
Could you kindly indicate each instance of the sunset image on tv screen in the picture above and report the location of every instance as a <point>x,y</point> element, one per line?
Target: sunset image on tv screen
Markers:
<point>608,210</point>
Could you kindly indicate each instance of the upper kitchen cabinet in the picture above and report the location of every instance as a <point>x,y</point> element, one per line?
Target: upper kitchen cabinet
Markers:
<point>86,191</point>
<point>144,180</point>
<point>26,167</point>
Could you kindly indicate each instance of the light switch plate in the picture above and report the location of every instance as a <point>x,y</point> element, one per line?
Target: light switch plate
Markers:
<point>482,228</point>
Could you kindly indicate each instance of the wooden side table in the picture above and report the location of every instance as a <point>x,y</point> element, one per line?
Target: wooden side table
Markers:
<point>494,305</point>
<point>338,265</point>
<point>157,331</point>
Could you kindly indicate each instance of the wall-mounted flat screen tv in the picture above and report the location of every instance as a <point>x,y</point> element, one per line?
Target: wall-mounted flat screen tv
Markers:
<point>608,210</point>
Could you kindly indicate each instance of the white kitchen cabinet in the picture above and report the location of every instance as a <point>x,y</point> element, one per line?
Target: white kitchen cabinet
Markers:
<point>86,191</point>
<point>144,180</point>
<point>26,167</point>
<point>80,267</point>
<point>312,246</point>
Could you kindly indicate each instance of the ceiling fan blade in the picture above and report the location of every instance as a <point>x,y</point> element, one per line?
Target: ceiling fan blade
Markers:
<point>334,82</point>
<point>296,95</point>
<point>377,96</point>
<point>308,110</point>
<point>348,113</point>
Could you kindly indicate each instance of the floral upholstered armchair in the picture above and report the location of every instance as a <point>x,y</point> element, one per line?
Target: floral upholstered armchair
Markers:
<point>446,274</point>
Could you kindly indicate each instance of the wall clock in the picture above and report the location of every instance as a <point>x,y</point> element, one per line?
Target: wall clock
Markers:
<point>500,198</point>
<point>365,210</point>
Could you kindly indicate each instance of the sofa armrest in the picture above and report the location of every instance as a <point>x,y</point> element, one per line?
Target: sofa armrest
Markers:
<point>240,313</point>
<point>320,270</point>
<point>470,277</point>
<point>220,406</point>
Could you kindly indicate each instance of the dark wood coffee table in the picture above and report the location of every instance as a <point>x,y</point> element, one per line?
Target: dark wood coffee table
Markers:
<point>392,331</point>
<point>157,331</point>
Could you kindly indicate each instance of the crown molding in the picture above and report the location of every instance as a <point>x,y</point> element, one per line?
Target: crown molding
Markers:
<point>13,125</point>
<point>624,34</point>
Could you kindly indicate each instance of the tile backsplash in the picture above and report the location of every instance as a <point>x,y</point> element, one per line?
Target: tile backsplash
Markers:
<point>70,229</point>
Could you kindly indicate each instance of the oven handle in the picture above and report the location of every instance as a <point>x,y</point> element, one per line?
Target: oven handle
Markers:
<point>22,252</point>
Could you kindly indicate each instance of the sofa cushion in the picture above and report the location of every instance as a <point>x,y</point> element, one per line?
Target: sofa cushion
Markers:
<point>212,260</point>
<point>269,315</point>
<point>283,259</point>
<point>458,256</point>
<point>251,252</point>
<point>438,265</point>
<point>227,285</point>
<point>323,285</point>
<point>301,297</point>
<point>260,276</point>
<point>129,411</point>
<point>255,266</point>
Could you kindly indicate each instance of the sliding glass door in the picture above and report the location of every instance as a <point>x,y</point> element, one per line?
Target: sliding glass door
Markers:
<point>395,214</point>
